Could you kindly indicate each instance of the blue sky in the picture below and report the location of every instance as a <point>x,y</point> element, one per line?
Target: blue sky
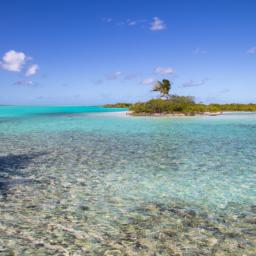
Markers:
<point>101,51</point>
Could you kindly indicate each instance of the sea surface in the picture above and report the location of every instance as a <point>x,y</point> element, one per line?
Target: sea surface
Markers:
<point>94,181</point>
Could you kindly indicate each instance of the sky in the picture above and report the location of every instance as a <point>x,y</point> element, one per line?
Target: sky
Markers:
<point>93,52</point>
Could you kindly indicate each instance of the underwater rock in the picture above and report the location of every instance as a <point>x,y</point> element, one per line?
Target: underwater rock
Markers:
<point>84,208</point>
<point>113,253</point>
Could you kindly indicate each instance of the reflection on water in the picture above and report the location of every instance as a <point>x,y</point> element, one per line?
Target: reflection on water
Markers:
<point>103,185</point>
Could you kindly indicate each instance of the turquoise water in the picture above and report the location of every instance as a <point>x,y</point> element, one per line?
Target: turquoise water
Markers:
<point>94,181</point>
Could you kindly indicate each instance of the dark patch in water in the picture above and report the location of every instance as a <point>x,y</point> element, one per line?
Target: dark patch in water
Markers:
<point>12,165</point>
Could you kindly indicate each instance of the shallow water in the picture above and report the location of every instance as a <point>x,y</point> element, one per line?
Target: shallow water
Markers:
<point>84,181</point>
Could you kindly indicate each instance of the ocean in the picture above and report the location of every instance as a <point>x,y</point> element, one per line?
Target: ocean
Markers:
<point>94,181</point>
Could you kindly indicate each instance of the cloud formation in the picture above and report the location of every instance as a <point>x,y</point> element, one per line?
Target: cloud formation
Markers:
<point>32,69</point>
<point>192,83</point>
<point>24,83</point>
<point>163,70</point>
<point>157,24</point>
<point>148,81</point>
<point>13,61</point>
<point>131,22</point>
<point>131,76</point>
<point>108,20</point>
<point>252,50</point>
<point>198,51</point>
<point>113,76</point>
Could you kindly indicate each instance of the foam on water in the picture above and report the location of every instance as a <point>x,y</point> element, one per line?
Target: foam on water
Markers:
<point>75,180</point>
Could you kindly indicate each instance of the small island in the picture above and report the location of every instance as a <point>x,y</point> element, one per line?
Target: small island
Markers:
<point>175,105</point>
<point>118,105</point>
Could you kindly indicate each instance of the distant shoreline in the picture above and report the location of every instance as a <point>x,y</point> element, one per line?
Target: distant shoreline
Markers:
<point>131,113</point>
<point>181,106</point>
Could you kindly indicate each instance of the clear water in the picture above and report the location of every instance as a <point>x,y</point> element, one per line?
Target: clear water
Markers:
<point>92,181</point>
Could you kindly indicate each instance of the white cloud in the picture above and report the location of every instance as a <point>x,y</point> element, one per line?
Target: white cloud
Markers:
<point>199,50</point>
<point>131,22</point>
<point>192,83</point>
<point>157,24</point>
<point>164,70</point>
<point>149,80</point>
<point>252,50</point>
<point>113,76</point>
<point>108,20</point>
<point>24,83</point>
<point>13,61</point>
<point>32,69</point>
<point>131,76</point>
<point>120,23</point>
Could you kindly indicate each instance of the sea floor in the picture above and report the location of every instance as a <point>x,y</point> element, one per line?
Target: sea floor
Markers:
<point>102,184</point>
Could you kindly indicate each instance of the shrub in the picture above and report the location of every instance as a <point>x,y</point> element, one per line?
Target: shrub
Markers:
<point>186,105</point>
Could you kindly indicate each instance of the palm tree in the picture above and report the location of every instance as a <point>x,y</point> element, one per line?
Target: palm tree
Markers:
<point>163,87</point>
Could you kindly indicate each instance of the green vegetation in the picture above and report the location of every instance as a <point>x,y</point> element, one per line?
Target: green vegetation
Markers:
<point>185,105</point>
<point>163,87</point>
<point>118,105</point>
<point>173,104</point>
